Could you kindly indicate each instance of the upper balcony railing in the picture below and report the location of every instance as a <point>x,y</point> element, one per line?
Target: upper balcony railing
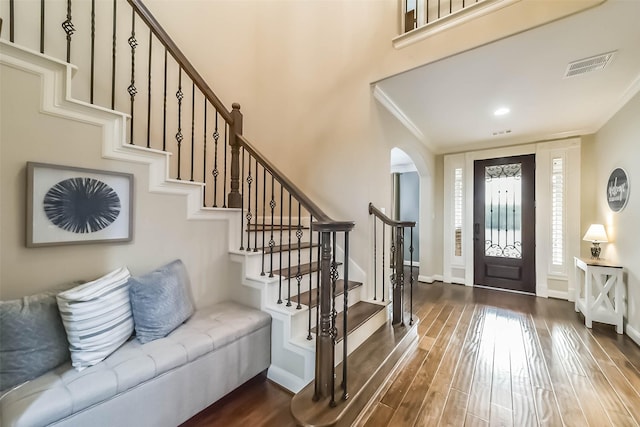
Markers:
<point>421,18</point>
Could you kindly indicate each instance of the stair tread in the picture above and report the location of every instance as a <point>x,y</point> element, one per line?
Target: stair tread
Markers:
<point>358,314</point>
<point>268,227</point>
<point>304,297</point>
<point>286,248</point>
<point>304,269</point>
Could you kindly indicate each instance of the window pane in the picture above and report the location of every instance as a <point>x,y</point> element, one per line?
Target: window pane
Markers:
<point>503,213</point>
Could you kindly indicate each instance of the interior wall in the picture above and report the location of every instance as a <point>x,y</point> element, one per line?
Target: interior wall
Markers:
<point>161,231</point>
<point>616,145</point>
<point>302,72</point>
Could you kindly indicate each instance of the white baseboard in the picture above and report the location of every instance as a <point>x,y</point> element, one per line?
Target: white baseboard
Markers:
<point>558,294</point>
<point>415,263</point>
<point>285,379</point>
<point>430,279</point>
<point>633,334</point>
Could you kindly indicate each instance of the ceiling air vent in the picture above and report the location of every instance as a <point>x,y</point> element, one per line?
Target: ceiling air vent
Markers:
<point>587,65</point>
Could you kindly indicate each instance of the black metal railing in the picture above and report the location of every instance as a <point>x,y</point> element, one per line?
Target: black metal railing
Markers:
<point>397,280</point>
<point>417,13</point>
<point>288,216</point>
<point>170,106</point>
<point>172,109</point>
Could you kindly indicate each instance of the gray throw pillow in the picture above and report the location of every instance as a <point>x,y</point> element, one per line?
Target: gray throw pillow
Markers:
<point>160,301</point>
<point>33,339</point>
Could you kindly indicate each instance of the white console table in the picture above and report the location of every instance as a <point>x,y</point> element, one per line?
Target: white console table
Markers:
<point>599,291</point>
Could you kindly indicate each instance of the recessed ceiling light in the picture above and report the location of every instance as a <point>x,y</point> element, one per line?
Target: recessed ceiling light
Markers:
<point>501,111</point>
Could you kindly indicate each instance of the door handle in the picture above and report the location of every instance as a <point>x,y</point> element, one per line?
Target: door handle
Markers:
<point>476,231</point>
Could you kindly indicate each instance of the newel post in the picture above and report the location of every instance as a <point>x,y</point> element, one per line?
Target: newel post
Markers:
<point>324,341</point>
<point>235,198</point>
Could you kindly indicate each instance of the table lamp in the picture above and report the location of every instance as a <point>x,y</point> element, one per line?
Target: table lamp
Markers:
<point>596,234</point>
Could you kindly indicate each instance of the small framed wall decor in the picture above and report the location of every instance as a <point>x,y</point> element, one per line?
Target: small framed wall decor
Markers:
<point>69,205</point>
<point>618,189</point>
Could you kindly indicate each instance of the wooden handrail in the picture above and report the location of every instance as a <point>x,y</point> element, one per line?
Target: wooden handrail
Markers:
<point>180,58</point>
<point>384,218</point>
<point>308,204</point>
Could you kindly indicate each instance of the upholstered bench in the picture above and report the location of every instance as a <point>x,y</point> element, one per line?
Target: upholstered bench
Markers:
<point>161,383</point>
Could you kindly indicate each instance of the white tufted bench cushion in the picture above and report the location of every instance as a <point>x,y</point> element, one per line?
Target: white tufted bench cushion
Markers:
<point>64,391</point>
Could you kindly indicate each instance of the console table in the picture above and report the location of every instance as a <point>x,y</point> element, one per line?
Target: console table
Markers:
<point>599,291</point>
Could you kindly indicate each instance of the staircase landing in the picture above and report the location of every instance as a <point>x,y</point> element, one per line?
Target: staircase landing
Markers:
<point>369,367</point>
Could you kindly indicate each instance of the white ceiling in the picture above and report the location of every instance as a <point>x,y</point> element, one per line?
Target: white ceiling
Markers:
<point>449,104</point>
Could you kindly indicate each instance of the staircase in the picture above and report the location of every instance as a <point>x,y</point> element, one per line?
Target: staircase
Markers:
<point>292,258</point>
<point>274,274</point>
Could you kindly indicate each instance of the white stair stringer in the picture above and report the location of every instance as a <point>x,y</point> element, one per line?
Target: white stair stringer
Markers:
<point>56,99</point>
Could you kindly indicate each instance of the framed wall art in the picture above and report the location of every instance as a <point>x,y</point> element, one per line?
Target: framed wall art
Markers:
<point>69,205</point>
<point>618,189</point>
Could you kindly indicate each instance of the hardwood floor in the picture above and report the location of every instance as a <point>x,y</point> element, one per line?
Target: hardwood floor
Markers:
<point>483,358</point>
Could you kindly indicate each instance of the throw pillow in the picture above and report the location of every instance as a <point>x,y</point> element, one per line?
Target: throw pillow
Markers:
<point>160,301</point>
<point>32,338</point>
<point>97,317</point>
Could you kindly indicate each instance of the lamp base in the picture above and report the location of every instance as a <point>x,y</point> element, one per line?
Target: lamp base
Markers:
<point>595,250</point>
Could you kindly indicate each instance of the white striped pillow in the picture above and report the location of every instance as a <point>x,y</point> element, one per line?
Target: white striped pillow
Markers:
<point>97,317</point>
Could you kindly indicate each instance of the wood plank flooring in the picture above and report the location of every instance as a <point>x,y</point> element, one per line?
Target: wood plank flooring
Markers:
<point>484,358</point>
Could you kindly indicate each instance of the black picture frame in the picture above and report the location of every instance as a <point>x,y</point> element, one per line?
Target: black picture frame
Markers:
<point>70,205</point>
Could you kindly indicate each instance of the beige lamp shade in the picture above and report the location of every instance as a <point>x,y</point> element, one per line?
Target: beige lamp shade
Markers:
<point>596,233</point>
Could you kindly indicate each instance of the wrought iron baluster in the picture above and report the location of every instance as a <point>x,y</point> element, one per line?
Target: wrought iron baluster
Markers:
<point>255,235</point>
<point>309,337</point>
<point>400,272</point>
<point>289,257</point>
<point>375,260</point>
<point>133,43</point>
<point>318,281</point>
<point>164,106</point>
<point>216,171</point>
<point>299,237</point>
<point>345,315</point>
<point>499,206</point>
<point>11,21</point>
<point>264,213</point>
<point>272,243</point>
<point>411,278</point>
<point>149,91</point>
<point>383,251</point>
<point>113,56</point>
<point>281,246</point>
<point>427,8</point>
<point>193,127</point>
<point>242,202</point>
<point>179,137</point>
<point>249,215</point>
<point>42,22</point>
<point>67,26</point>
<point>93,45</point>
<point>204,155</point>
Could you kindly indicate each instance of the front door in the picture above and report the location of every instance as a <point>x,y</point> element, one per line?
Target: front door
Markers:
<point>504,223</point>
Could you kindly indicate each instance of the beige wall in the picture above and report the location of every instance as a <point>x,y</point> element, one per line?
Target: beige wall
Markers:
<point>161,231</point>
<point>617,144</point>
<point>302,71</point>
